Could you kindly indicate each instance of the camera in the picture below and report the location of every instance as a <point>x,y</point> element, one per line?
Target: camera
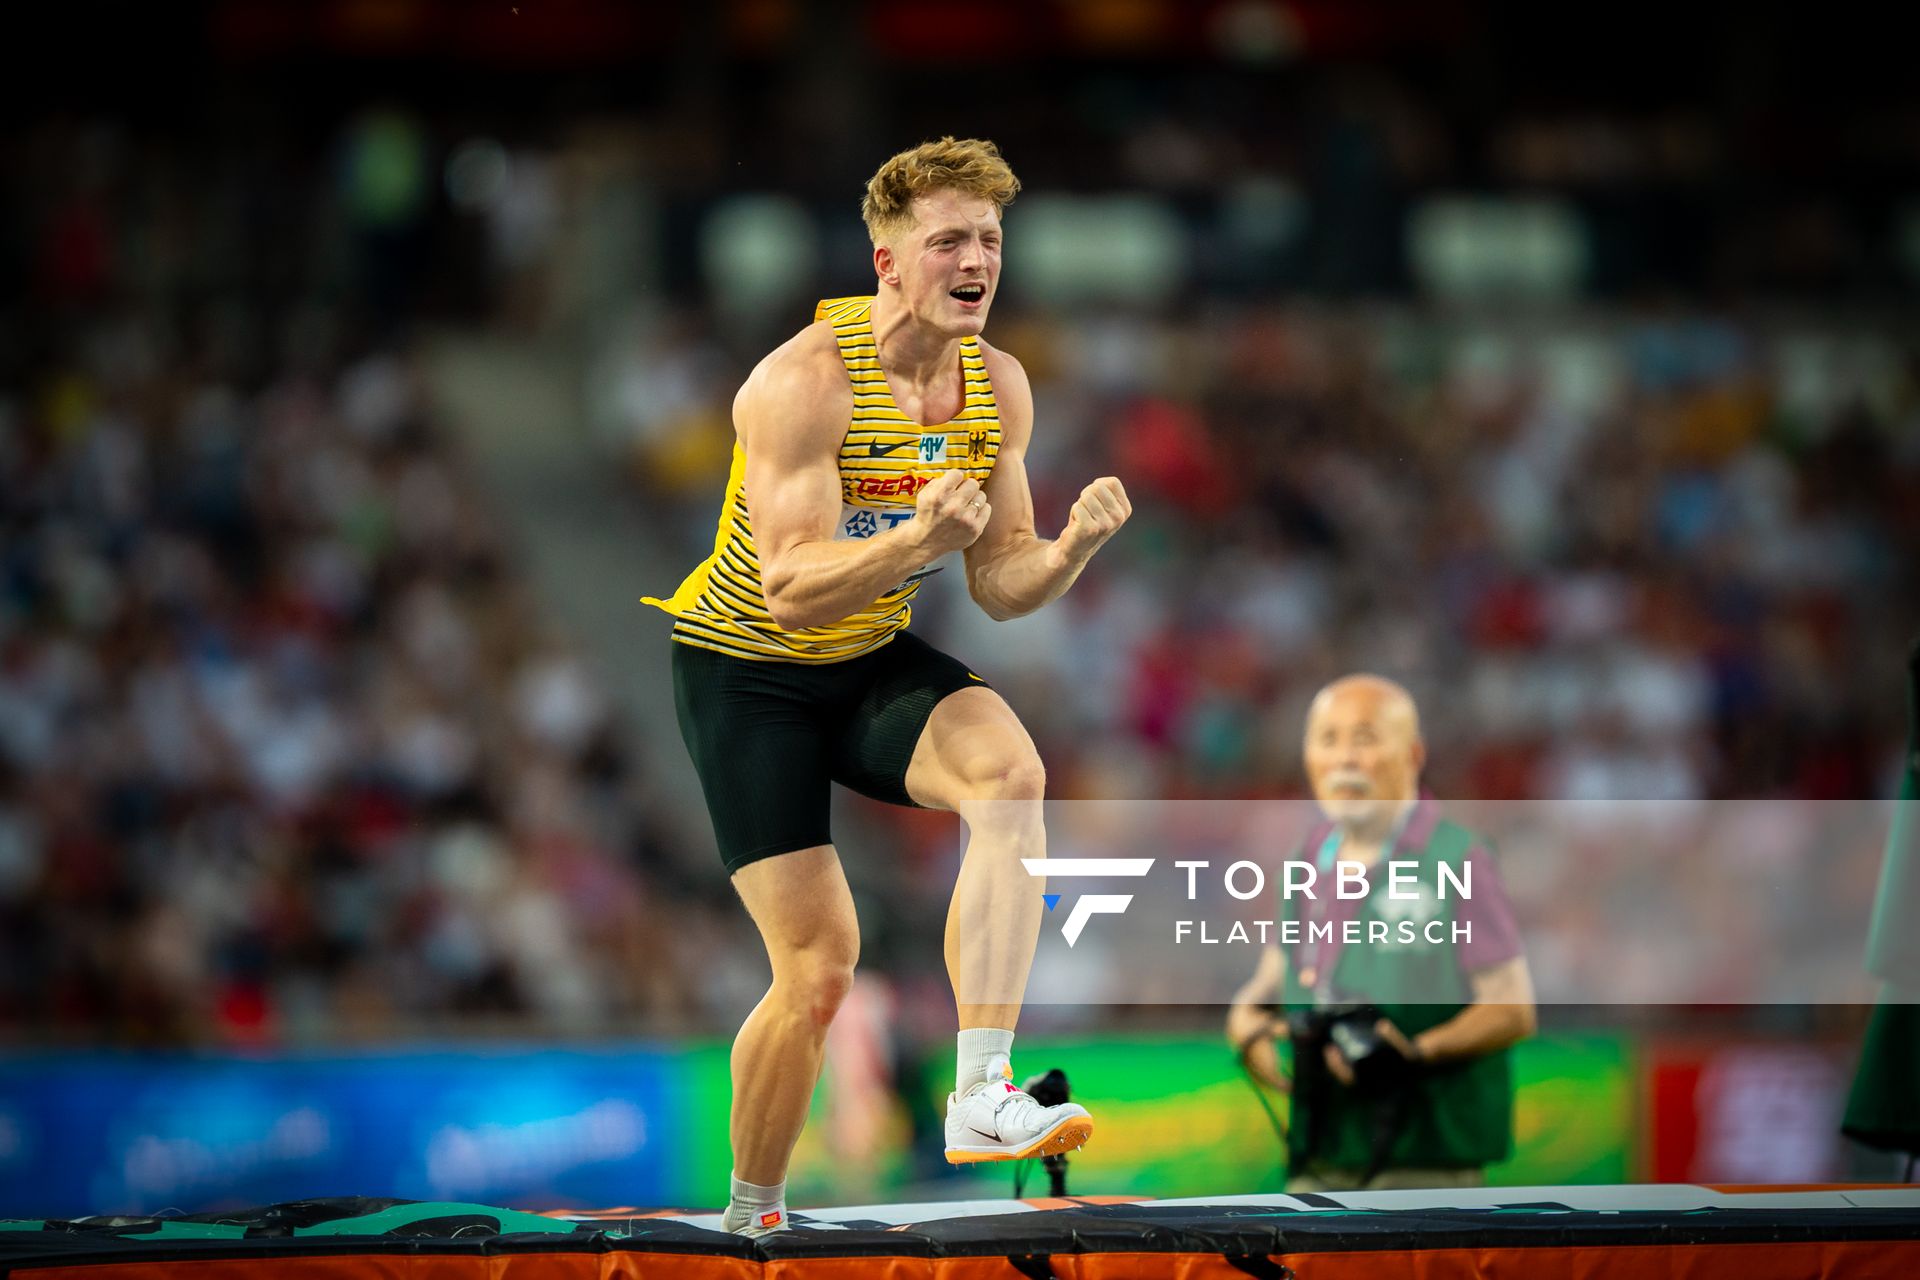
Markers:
<point>1378,1067</point>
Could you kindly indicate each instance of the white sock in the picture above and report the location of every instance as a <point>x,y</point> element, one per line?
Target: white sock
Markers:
<point>755,1210</point>
<point>979,1046</point>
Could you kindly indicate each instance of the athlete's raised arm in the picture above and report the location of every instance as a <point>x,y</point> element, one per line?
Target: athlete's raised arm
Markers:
<point>791,416</point>
<point>1011,570</point>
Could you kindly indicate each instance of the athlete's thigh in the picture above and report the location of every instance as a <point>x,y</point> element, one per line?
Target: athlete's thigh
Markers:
<point>801,904</point>
<point>973,747</point>
<point>906,684</point>
<point>755,733</point>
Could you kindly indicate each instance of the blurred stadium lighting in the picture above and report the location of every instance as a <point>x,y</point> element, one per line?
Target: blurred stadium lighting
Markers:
<point>1098,249</point>
<point>477,174</point>
<point>1465,248</point>
<point>757,251</point>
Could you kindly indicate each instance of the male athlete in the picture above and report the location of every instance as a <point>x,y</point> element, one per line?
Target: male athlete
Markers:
<point>878,439</point>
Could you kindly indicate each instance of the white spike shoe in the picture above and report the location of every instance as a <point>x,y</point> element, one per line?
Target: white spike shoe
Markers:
<point>994,1120</point>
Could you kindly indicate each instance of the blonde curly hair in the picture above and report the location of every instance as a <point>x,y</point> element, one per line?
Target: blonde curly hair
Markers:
<point>971,166</point>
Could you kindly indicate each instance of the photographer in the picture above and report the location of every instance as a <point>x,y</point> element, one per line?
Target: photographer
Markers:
<point>1399,1048</point>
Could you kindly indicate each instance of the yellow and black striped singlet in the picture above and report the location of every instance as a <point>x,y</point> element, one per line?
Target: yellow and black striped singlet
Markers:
<point>885,460</point>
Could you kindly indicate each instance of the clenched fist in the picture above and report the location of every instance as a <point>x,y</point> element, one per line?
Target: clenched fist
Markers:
<point>950,512</point>
<point>1097,516</point>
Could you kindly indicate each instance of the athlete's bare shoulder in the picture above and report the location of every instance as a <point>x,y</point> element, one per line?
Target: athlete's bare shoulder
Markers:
<point>802,383</point>
<point>1000,362</point>
<point>1011,389</point>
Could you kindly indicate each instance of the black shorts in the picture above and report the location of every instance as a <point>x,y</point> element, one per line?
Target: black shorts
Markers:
<point>767,737</point>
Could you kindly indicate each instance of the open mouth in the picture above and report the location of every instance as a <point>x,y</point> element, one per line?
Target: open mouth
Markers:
<point>969,293</point>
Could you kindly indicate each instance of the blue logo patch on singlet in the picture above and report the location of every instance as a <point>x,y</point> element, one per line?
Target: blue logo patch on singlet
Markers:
<point>864,522</point>
<point>933,447</point>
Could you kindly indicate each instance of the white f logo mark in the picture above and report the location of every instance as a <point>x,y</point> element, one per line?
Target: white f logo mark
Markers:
<point>1093,904</point>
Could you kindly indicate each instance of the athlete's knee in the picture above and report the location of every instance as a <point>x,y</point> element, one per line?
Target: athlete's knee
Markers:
<point>1001,799</point>
<point>1016,776</point>
<point>822,989</point>
<point>818,979</point>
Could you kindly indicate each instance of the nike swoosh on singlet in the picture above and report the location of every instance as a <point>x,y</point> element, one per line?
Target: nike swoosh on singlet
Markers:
<point>882,450</point>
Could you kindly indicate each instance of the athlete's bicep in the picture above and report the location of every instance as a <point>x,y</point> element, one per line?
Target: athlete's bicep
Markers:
<point>791,503</point>
<point>790,431</point>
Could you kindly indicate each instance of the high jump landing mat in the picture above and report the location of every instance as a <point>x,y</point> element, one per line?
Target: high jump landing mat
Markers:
<point>1588,1233</point>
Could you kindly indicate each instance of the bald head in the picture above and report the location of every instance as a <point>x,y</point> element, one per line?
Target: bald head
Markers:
<point>1363,750</point>
<point>1376,697</point>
